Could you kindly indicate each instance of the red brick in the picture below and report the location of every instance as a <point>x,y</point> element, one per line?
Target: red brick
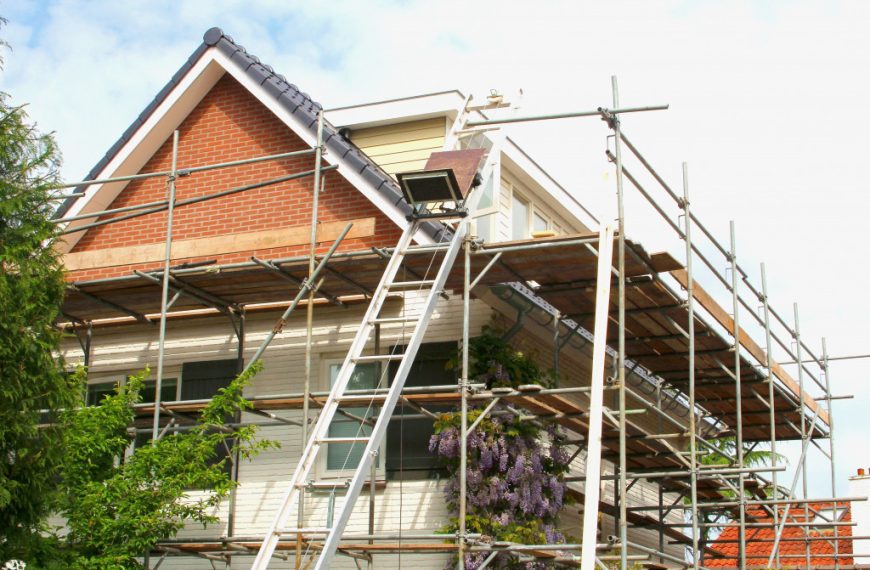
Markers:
<point>230,124</point>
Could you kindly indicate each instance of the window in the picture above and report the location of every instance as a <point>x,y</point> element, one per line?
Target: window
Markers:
<point>408,440</point>
<point>199,381</point>
<point>99,390</point>
<point>202,380</point>
<point>519,217</point>
<point>344,456</point>
<point>540,223</point>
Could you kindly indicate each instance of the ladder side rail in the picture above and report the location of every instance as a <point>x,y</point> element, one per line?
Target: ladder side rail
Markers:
<point>306,460</point>
<point>379,430</point>
<point>359,342</point>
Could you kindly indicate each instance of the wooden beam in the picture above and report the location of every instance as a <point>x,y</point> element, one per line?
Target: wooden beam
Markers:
<point>215,245</point>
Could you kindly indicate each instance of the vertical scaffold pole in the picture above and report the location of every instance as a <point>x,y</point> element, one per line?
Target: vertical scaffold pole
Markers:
<point>804,435</point>
<point>164,293</point>
<point>463,394</point>
<point>623,484</point>
<point>690,295</point>
<point>738,389</point>
<point>309,317</point>
<point>831,450</point>
<point>770,396</point>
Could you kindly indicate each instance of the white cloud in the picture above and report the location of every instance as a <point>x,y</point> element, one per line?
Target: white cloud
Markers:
<point>769,107</point>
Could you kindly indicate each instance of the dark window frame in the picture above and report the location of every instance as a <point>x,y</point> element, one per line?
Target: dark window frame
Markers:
<point>418,462</point>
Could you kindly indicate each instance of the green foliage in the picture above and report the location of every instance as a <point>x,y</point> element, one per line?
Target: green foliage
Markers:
<point>117,511</point>
<point>515,467</point>
<point>496,363</point>
<point>31,292</point>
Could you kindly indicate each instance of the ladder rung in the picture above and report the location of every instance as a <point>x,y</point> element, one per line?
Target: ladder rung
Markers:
<point>324,485</point>
<point>387,320</point>
<point>412,284</point>
<point>425,248</point>
<point>344,440</point>
<point>311,530</point>
<point>378,357</point>
<point>359,398</point>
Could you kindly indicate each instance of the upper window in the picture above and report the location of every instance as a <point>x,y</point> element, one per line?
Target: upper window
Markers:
<point>540,223</point>
<point>199,381</point>
<point>202,380</point>
<point>99,390</point>
<point>519,217</point>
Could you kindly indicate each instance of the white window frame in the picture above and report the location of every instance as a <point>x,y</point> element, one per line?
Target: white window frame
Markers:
<point>537,211</point>
<point>326,362</point>
<point>123,382</point>
<point>521,197</point>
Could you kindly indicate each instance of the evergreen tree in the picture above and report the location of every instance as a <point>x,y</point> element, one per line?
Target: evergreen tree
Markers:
<point>33,386</point>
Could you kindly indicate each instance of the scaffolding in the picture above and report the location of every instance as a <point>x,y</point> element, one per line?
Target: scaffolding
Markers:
<point>677,355</point>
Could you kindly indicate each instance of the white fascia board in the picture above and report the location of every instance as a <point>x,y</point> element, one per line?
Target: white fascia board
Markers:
<point>396,110</point>
<point>530,172</point>
<point>293,122</point>
<point>145,142</point>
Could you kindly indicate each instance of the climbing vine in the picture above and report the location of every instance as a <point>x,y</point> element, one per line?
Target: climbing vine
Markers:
<point>515,467</point>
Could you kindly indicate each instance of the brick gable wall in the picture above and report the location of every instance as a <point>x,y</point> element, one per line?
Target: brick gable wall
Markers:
<point>230,124</point>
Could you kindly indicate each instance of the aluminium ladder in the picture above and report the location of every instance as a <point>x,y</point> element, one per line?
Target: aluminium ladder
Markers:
<point>319,438</point>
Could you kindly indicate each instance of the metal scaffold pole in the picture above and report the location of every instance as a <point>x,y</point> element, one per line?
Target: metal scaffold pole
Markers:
<point>623,483</point>
<point>830,411</point>
<point>770,394</point>
<point>309,316</point>
<point>690,307</point>
<point>164,292</point>
<point>738,395</point>
<point>805,436</point>
<point>463,394</point>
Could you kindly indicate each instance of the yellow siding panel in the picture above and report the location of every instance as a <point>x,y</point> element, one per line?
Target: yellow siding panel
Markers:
<point>403,146</point>
<point>435,126</point>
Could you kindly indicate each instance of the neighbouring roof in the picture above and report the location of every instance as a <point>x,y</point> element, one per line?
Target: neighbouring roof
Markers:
<point>289,96</point>
<point>759,541</point>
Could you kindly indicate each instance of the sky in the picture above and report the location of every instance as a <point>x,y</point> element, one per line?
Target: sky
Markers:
<point>768,107</point>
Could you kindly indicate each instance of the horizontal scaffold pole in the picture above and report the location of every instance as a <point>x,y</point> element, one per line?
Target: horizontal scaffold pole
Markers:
<point>189,201</point>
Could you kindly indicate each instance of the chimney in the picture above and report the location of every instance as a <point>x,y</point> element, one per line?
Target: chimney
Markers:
<point>859,486</point>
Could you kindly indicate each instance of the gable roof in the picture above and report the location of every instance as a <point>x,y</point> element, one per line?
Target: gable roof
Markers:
<point>285,98</point>
<point>759,541</point>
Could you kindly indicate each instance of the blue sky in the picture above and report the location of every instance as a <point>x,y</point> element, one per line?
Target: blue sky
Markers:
<point>769,106</point>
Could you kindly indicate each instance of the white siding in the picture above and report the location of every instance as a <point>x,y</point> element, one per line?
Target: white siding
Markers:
<point>412,505</point>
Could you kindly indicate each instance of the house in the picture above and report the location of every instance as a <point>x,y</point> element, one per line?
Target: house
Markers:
<point>859,487</point>
<point>239,257</point>
<point>796,541</point>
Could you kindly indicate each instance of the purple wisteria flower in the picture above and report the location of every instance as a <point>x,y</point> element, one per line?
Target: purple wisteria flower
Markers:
<point>514,477</point>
